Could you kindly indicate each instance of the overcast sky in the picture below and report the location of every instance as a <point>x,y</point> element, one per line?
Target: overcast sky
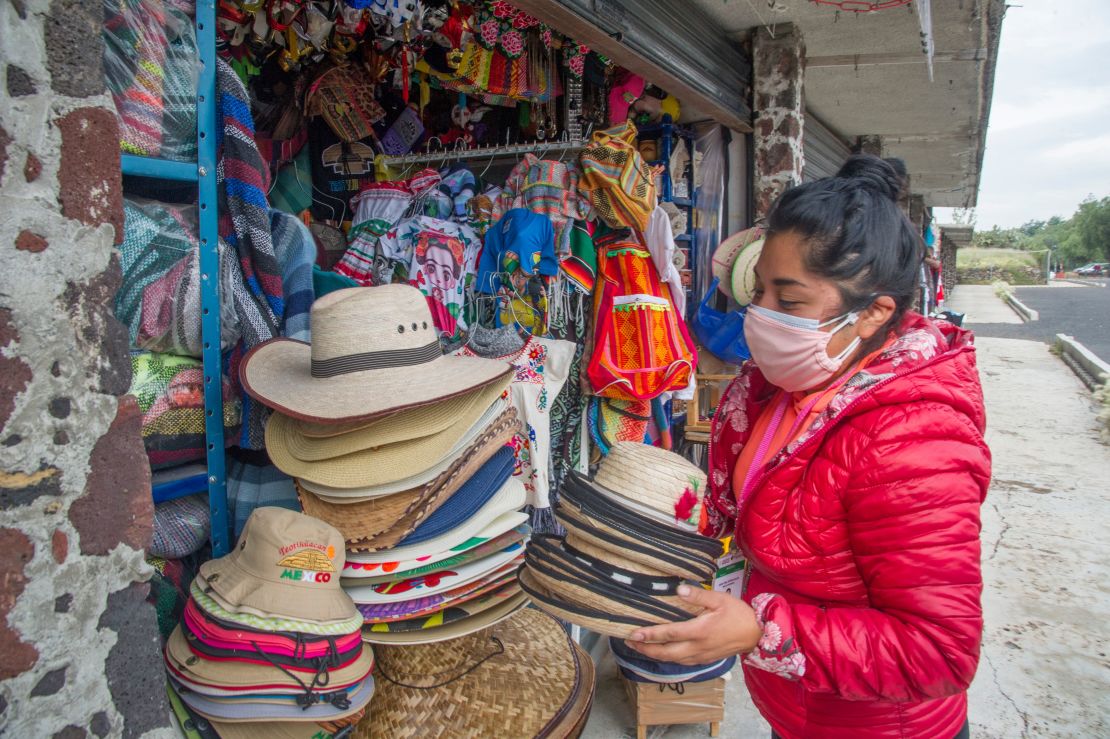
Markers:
<point>1048,145</point>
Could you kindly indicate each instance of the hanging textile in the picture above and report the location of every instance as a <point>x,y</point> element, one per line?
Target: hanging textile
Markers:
<point>641,346</point>
<point>617,178</point>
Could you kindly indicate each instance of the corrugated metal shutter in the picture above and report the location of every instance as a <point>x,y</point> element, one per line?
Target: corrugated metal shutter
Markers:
<point>824,150</point>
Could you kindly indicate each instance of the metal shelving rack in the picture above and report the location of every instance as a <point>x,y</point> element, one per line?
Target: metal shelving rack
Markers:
<point>203,173</point>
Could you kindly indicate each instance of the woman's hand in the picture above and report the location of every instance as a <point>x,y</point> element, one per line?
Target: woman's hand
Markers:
<point>726,627</point>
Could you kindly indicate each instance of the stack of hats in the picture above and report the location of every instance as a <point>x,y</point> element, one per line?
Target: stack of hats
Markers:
<point>269,644</point>
<point>405,452</point>
<point>631,541</point>
<point>734,264</point>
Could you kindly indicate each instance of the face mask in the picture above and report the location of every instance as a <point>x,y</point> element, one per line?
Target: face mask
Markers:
<point>791,351</point>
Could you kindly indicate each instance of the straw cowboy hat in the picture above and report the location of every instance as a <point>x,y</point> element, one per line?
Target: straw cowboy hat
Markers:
<point>522,677</point>
<point>380,523</point>
<point>374,351</point>
<point>734,264</point>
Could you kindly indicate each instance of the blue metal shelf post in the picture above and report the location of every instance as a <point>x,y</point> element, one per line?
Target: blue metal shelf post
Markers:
<point>208,214</point>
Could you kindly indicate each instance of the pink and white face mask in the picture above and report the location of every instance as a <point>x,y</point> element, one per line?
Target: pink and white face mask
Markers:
<point>792,352</point>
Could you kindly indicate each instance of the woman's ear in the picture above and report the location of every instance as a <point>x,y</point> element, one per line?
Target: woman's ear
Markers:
<point>875,316</point>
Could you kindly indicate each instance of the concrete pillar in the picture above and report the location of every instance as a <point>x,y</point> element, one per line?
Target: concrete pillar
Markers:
<point>79,646</point>
<point>779,65</point>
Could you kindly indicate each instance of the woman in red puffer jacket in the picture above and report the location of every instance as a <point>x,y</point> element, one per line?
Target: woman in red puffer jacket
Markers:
<point>848,460</point>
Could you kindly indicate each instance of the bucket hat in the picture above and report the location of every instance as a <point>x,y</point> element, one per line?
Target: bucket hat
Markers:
<point>380,465</point>
<point>217,610</point>
<point>493,612</point>
<point>734,264</point>
<point>652,481</point>
<point>521,677</point>
<point>374,351</point>
<point>380,523</point>
<point>286,565</point>
<point>234,710</point>
<point>485,548</point>
<point>185,665</point>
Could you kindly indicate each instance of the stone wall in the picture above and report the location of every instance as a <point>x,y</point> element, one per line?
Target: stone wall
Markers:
<point>779,113</point>
<point>948,262</point>
<point>79,652</point>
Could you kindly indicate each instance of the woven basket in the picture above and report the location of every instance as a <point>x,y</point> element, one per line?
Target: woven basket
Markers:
<point>472,687</point>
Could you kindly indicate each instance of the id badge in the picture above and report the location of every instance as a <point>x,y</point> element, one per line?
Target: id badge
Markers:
<point>731,574</point>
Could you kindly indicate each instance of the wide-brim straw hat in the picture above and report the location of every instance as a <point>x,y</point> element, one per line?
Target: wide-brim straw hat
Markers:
<point>382,522</point>
<point>229,675</point>
<point>374,351</point>
<point>632,537</point>
<point>400,457</point>
<point>382,465</point>
<point>287,565</point>
<point>652,481</point>
<point>353,574</point>
<point>430,604</point>
<point>520,678</point>
<point>232,710</point>
<point>445,616</point>
<point>734,261</point>
<point>483,618</point>
<point>509,499</point>
<point>423,585</point>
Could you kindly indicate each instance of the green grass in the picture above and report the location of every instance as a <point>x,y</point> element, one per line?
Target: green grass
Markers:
<point>974,257</point>
<point>978,266</point>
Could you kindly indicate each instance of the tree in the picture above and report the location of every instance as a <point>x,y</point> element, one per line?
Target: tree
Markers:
<point>1092,225</point>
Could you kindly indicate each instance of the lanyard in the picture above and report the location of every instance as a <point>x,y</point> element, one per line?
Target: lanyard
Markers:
<point>756,466</point>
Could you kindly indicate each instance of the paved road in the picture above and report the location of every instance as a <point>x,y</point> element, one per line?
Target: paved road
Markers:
<point>1083,312</point>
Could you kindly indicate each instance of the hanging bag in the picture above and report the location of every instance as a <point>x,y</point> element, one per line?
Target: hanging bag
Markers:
<point>617,179</point>
<point>641,347</point>
<point>722,334</point>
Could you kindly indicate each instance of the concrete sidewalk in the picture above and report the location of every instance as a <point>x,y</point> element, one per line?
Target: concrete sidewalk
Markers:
<point>1046,565</point>
<point>980,305</point>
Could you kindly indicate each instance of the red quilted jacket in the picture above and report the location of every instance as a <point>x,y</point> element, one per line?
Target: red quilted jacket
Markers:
<point>863,541</point>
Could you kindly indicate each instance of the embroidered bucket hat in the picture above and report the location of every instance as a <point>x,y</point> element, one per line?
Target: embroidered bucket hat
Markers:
<point>655,482</point>
<point>734,264</point>
<point>286,565</point>
<point>380,523</point>
<point>521,677</point>
<point>428,605</point>
<point>434,622</point>
<point>374,351</point>
<point>354,574</point>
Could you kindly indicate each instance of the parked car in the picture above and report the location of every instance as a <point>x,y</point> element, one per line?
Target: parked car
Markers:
<point>1094,269</point>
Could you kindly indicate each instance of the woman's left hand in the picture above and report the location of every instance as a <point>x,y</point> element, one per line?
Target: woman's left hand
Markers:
<point>727,627</point>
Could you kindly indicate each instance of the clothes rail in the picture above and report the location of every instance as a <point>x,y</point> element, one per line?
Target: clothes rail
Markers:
<point>483,152</point>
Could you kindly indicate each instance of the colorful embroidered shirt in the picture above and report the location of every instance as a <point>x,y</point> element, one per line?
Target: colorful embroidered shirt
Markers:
<point>542,367</point>
<point>549,188</point>
<point>520,240</point>
<point>440,258</point>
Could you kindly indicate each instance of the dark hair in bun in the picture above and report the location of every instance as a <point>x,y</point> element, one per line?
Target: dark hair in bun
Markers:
<point>856,233</point>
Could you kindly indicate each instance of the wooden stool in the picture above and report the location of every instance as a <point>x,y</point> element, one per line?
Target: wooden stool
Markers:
<point>657,705</point>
